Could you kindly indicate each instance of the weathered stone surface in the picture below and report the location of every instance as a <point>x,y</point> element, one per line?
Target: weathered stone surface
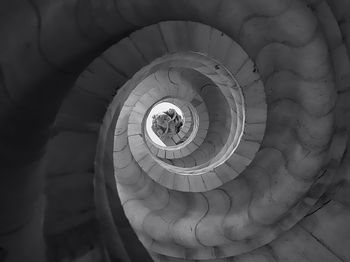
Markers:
<point>299,54</point>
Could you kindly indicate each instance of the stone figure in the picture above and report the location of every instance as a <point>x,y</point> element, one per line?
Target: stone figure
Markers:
<point>167,123</point>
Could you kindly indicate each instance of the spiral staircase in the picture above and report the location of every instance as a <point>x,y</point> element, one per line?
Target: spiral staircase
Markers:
<point>260,170</point>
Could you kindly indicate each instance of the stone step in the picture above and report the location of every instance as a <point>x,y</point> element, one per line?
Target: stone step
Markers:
<point>124,58</point>
<point>298,245</point>
<point>328,226</point>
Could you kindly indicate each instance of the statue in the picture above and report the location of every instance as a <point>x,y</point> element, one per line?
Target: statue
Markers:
<point>167,124</point>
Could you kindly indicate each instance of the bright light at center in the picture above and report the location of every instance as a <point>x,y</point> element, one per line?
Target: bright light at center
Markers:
<point>158,109</point>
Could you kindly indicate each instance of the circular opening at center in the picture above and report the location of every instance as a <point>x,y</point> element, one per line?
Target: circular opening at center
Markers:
<point>163,121</point>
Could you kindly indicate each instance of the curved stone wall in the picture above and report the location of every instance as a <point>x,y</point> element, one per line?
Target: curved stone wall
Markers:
<point>279,170</point>
<point>266,177</point>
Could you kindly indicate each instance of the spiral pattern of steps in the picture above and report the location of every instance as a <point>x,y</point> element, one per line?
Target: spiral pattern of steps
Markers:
<point>269,179</point>
<point>262,169</point>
